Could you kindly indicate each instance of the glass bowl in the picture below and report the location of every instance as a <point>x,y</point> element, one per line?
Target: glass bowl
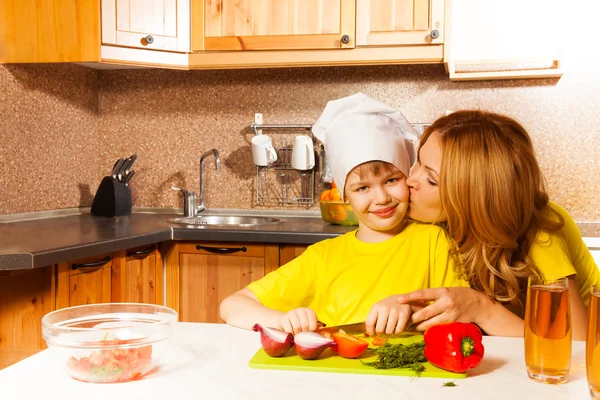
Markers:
<point>337,212</point>
<point>110,342</point>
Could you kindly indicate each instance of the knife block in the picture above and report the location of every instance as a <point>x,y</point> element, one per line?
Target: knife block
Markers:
<point>112,199</point>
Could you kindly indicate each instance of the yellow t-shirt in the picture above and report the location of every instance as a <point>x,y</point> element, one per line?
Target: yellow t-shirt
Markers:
<point>564,253</point>
<point>342,278</point>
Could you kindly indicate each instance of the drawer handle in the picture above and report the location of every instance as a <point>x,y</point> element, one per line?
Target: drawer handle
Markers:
<point>222,250</point>
<point>140,252</point>
<point>100,263</point>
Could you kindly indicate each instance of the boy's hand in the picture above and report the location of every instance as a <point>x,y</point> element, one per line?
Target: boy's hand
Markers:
<point>387,316</point>
<point>300,320</point>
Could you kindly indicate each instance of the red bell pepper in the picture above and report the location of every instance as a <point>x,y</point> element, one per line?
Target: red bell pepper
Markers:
<point>454,346</point>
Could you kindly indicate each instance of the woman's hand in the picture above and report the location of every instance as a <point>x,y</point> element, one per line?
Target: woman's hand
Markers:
<point>449,305</point>
<point>387,316</point>
<point>299,320</point>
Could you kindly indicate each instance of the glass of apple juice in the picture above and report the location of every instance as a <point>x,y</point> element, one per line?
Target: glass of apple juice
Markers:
<point>548,330</point>
<point>592,347</point>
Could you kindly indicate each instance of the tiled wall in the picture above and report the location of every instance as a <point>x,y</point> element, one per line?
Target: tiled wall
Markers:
<point>62,127</point>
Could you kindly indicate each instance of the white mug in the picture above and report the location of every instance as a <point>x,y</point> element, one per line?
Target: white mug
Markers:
<point>303,154</point>
<point>263,152</point>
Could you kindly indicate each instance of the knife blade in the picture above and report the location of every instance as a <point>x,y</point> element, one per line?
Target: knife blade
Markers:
<point>359,328</point>
<point>351,329</point>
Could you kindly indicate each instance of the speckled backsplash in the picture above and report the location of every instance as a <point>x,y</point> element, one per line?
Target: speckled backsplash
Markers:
<point>63,126</point>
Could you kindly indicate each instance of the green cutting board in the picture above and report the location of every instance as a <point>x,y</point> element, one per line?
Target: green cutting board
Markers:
<point>329,361</point>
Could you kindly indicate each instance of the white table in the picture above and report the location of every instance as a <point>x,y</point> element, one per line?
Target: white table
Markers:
<point>210,361</point>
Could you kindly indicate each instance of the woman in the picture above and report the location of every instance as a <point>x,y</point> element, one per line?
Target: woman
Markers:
<point>478,176</point>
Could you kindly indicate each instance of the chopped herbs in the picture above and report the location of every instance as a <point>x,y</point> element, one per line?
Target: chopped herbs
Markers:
<point>399,356</point>
<point>450,384</point>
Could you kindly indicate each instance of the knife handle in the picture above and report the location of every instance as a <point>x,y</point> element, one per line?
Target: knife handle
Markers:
<point>128,177</point>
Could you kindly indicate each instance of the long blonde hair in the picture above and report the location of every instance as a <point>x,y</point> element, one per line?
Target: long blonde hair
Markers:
<point>493,192</point>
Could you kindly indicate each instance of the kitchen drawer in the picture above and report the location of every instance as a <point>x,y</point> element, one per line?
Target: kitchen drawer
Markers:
<point>220,248</point>
<point>90,264</point>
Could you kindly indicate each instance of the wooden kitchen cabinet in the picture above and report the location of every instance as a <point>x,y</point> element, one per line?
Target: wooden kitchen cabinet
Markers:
<point>84,281</point>
<point>199,275</point>
<point>399,22</point>
<point>25,297</point>
<point>273,25</point>
<point>151,24</point>
<point>137,275</point>
<point>34,31</point>
<point>287,252</point>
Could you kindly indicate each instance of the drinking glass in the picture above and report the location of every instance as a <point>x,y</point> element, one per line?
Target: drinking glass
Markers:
<point>548,330</point>
<point>592,350</point>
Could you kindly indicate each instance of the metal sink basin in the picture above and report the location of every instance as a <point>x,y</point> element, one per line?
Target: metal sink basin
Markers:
<point>224,220</point>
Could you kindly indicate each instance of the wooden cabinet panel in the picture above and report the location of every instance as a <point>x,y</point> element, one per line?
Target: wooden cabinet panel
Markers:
<point>399,22</point>
<point>90,287</point>
<point>25,297</point>
<point>151,24</point>
<point>84,281</point>
<point>287,252</point>
<point>137,276</point>
<point>201,275</point>
<point>34,31</point>
<point>276,24</point>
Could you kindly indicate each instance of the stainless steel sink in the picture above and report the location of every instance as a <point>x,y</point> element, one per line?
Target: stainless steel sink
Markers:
<point>225,220</point>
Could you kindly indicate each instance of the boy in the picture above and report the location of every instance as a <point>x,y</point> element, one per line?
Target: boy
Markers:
<point>357,276</point>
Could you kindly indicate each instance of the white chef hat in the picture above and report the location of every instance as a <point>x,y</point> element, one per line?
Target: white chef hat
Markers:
<point>357,129</point>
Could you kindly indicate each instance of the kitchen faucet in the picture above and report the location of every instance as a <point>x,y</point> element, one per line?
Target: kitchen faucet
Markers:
<point>214,152</point>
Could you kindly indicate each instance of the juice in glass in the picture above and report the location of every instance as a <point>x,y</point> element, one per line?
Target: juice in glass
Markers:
<point>548,330</point>
<point>592,349</point>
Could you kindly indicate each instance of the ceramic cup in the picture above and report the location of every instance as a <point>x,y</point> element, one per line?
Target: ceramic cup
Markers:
<point>303,154</point>
<point>263,152</point>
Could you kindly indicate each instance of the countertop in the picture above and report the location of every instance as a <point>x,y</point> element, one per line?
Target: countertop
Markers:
<point>210,361</point>
<point>41,242</point>
<point>58,237</point>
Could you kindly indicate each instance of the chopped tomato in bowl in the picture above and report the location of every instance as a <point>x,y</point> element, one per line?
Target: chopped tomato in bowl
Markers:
<point>113,342</point>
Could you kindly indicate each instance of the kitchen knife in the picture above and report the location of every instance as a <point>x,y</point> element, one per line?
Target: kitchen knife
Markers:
<point>359,328</point>
<point>116,168</point>
<point>128,177</point>
<point>350,329</point>
<point>129,164</point>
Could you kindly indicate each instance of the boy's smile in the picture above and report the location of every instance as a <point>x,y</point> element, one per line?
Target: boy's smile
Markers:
<point>379,201</point>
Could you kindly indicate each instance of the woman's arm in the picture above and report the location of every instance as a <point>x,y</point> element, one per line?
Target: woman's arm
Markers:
<point>464,305</point>
<point>243,309</point>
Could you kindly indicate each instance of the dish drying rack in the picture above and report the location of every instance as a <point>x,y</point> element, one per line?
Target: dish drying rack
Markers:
<point>278,184</point>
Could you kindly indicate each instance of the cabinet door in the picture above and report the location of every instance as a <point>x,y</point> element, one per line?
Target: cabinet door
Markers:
<point>287,252</point>
<point>505,40</point>
<point>277,24</point>
<point>33,31</point>
<point>137,276</point>
<point>151,24</point>
<point>85,281</point>
<point>25,297</point>
<point>201,275</point>
<point>399,22</point>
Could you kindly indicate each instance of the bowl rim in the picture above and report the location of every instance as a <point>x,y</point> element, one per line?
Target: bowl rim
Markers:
<point>164,309</point>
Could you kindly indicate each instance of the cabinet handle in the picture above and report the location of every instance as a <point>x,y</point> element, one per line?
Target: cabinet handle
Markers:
<point>140,252</point>
<point>100,263</point>
<point>345,39</point>
<point>222,250</point>
<point>434,34</point>
<point>149,39</point>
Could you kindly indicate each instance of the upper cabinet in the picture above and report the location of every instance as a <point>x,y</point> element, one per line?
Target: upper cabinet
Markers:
<point>152,24</point>
<point>399,22</point>
<point>504,40</point>
<point>49,31</point>
<point>276,24</point>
